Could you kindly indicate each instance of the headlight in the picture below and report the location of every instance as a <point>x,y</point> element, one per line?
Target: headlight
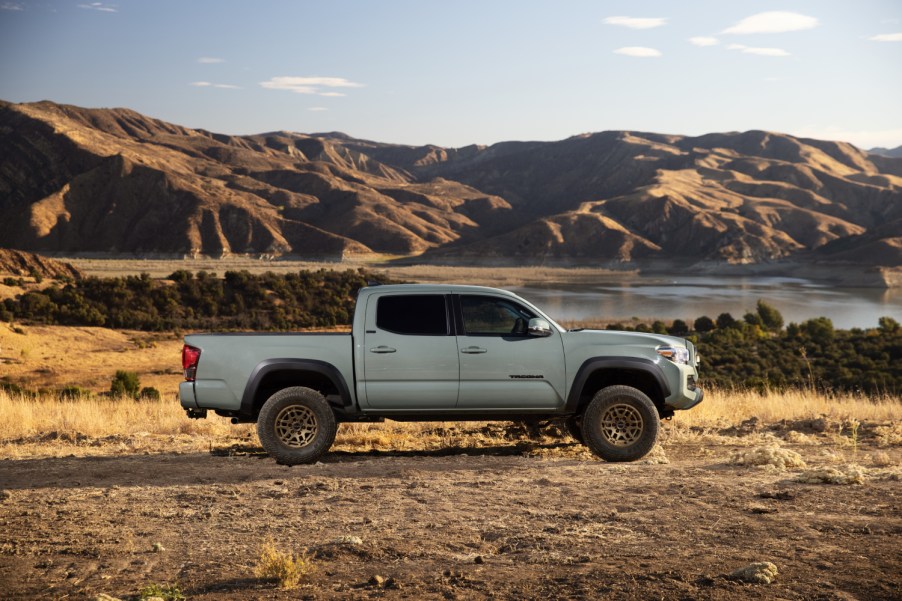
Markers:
<point>677,354</point>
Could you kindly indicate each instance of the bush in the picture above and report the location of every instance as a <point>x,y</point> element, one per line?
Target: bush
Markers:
<point>125,384</point>
<point>288,569</point>
<point>888,325</point>
<point>770,317</point>
<point>679,328</point>
<point>703,324</point>
<point>166,592</point>
<point>72,393</point>
<point>725,320</point>
<point>149,393</point>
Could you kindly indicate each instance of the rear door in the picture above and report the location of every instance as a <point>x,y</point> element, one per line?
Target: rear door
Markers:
<point>411,359</point>
<point>501,366</point>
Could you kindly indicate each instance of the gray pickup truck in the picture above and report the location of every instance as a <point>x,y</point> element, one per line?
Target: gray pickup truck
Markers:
<point>436,353</point>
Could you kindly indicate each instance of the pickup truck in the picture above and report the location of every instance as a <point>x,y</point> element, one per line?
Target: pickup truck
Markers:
<point>422,352</point>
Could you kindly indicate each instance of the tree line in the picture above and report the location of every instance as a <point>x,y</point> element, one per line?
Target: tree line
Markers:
<point>753,351</point>
<point>202,301</point>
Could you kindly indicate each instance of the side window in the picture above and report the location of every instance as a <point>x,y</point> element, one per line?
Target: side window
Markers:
<point>414,315</point>
<point>490,316</point>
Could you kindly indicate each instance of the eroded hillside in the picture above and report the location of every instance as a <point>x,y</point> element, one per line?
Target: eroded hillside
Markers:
<point>113,181</point>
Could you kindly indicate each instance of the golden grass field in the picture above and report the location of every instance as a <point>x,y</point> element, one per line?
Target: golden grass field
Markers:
<point>49,358</point>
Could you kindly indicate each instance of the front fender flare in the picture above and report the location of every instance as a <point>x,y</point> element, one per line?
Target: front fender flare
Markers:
<point>633,364</point>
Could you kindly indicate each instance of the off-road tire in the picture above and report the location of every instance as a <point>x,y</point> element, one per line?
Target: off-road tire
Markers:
<point>620,424</point>
<point>296,426</point>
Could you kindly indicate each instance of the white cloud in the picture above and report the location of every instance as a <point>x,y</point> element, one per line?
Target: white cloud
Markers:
<point>759,51</point>
<point>221,86</point>
<point>638,51</point>
<point>308,85</point>
<point>636,22</point>
<point>332,94</point>
<point>318,109</point>
<point>886,37</point>
<point>11,6</point>
<point>704,41</point>
<point>210,60</point>
<point>777,21</point>
<point>104,8</point>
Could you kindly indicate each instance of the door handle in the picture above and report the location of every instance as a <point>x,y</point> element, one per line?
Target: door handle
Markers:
<point>473,350</point>
<point>382,349</point>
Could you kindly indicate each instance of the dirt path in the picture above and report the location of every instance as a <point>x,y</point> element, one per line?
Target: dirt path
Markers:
<point>487,524</point>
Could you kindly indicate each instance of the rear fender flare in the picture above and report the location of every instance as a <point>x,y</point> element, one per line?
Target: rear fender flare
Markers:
<point>299,367</point>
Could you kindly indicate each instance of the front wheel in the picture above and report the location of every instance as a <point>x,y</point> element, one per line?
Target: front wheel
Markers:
<point>620,424</point>
<point>296,425</point>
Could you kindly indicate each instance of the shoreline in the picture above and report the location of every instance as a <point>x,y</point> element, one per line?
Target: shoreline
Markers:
<point>494,272</point>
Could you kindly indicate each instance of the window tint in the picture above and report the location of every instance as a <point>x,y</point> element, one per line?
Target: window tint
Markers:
<point>486,315</point>
<point>420,315</point>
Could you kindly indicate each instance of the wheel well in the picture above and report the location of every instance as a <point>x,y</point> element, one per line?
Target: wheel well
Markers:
<point>277,380</point>
<point>638,379</point>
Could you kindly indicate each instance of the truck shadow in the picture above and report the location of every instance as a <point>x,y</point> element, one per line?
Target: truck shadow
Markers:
<point>239,464</point>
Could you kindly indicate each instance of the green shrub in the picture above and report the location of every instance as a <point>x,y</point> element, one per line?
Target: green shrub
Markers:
<point>125,384</point>
<point>149,393</point>
<point>167,592</point>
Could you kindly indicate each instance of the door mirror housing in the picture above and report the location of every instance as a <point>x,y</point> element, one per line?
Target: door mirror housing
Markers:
<point>539,327</point>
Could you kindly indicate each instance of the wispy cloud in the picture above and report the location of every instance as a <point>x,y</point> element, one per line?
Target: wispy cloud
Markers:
<point>638,51</point>
<point>208,84</point>
<point>308,85</point>
<point>776,21</point>
<point>332,94</point>
<point>210,60</point>
<point>704,41</point>
<point>317,109</point>
<point>11,6</point>
<point>100,6</point>
<point>759,51</point>
<point>636,22</point>
<point>886,37</point>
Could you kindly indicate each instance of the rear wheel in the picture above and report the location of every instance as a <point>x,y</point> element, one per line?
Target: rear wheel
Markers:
<point>296,425</point>
<point>620,424</point>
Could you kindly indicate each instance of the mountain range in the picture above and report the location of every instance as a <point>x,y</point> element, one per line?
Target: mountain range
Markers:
<point>112,181</point>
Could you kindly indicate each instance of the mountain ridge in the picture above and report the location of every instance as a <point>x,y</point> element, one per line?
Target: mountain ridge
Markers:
<point>115,181</point>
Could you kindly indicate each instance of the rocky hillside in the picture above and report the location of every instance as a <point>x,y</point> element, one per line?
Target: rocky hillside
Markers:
<point>18,263</point>
<point>113,181</point>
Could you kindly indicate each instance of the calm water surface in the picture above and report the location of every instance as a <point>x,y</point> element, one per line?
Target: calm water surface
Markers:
<point>690,297</point>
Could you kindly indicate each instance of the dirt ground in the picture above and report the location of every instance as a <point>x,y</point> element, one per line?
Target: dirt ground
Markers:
<point>453,524</point>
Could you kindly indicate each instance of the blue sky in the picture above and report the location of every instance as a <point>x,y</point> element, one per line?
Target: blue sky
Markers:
<point>463,72</point>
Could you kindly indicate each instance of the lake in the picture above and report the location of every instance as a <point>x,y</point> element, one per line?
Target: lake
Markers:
<point>655,297</point>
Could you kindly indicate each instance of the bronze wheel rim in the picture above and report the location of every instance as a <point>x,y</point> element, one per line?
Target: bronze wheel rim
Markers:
<point>296,426</point>
<point>621,425</point>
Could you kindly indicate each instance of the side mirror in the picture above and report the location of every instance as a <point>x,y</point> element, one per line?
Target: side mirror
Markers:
<point>539,327</point>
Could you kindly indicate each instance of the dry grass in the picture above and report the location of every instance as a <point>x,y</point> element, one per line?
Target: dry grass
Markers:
<point>53,357</point>
<point>287,568</point>
<point>725,408</point>
<point>46,425</point>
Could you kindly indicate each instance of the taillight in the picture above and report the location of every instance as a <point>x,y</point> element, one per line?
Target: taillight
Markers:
<point>190,357</point>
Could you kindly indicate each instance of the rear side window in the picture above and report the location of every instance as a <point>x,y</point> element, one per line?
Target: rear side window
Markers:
<point>414,315</point>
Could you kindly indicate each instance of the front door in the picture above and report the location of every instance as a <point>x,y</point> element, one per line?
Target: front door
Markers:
<point>411,359</point>
<point>501,366</point>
